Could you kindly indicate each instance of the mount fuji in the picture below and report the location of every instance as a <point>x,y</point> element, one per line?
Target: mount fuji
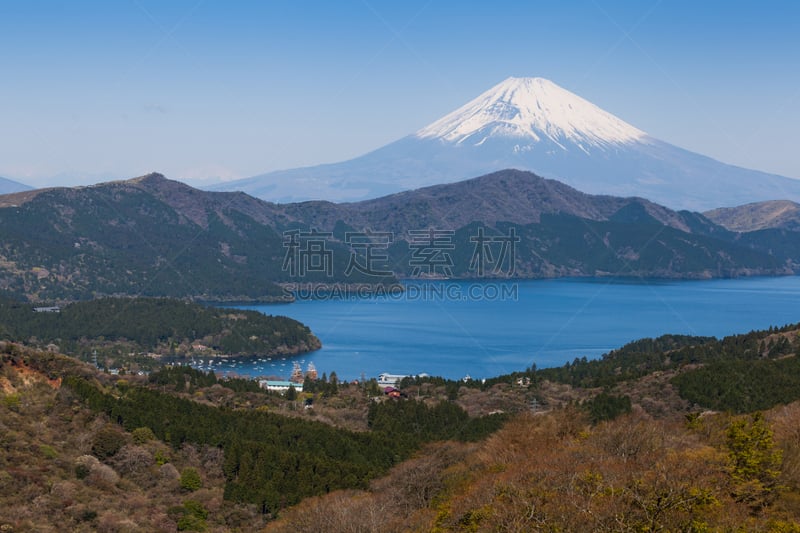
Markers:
<point>530,124</point>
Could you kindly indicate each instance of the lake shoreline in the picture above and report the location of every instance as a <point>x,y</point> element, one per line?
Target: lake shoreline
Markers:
<point>547,323</point>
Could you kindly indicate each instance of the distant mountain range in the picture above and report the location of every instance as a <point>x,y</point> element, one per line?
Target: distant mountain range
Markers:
<point>8,186</point>
<point>156,237</point>
<point>530,124</point>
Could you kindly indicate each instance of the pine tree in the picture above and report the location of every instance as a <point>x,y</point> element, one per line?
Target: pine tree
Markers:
<point>755,461</point>
<point>291,394</point>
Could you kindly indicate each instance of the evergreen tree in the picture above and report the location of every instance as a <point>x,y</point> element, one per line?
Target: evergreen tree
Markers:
<point>755,461</point>
<point>291,394</point>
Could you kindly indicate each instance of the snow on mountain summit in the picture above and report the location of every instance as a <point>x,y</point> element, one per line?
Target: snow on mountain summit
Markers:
<point>534,109</point>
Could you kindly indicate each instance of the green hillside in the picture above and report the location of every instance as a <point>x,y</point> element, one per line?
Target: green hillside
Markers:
<point>162,326</point>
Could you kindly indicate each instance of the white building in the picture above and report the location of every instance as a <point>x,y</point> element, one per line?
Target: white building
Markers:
<point>279,386</point>
<point>390,380</point>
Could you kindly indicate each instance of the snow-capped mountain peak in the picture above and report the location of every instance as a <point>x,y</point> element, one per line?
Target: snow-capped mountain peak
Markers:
<point>530,124</point>
<point>533,109</point>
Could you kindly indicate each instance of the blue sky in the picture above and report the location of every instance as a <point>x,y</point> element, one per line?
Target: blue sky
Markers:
<point>197,89</point>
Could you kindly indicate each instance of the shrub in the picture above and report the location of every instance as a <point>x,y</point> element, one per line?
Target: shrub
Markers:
<point>169,472</point>
<point>190,479</point>
<point>132,460</point>
<point>12,401</point>
<point>142,435</point>
<point>103,476</point>
<point>196,508</point>
<point>84,464</point>
<point>48,451</point>
<point>191,516</point>
<point>107,442</point>
<point>161,458</point>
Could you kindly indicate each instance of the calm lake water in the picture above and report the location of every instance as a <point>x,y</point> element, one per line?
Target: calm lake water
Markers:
<point>453,329</point>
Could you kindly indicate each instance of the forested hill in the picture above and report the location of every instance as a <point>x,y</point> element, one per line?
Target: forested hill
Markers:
<point>739,373</point>
<point>159,325</point>
<point>270,461</point>
<point>151,236</point>
<point>147,236</point>
<point>241,462</point>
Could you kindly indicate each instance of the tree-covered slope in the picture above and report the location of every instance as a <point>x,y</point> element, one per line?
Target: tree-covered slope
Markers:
<point>160,325</point>
<point>154,237</point>
<point>739,373</point>
<point>144,237</point>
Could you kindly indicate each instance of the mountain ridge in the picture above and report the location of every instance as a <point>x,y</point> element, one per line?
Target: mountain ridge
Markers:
<point>152,236</point>
<point>561,137</point>
<point>776,214</point>
<point>507,195</point>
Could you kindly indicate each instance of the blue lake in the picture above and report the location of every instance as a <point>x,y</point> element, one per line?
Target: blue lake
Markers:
<point>453,329</point>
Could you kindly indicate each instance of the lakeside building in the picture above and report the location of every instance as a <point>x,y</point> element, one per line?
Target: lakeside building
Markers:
<point>390,380</point>
<point>279,386</point>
